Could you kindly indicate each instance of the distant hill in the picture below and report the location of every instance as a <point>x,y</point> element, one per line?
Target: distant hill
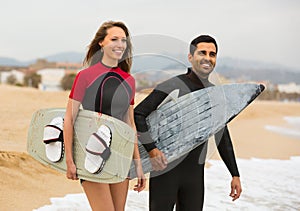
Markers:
<point>257,71</point>
<point>73,57</point>
<point>232,68</point>
<point>5,61</point>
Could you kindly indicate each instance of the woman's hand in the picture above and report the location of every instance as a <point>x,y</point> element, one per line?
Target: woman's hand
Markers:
<point>141,180</point>
<point>69,120</point>
<point>71,171</point>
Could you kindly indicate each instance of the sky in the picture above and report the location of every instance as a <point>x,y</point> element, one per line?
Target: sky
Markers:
<point>262,30</point>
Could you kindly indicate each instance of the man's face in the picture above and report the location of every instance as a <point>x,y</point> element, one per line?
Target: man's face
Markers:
<point>204,59</point>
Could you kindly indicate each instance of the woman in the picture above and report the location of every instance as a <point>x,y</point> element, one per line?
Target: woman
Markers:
<point>107,87</point>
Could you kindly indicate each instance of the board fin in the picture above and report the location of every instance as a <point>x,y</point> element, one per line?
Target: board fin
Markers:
<point>171,97</point>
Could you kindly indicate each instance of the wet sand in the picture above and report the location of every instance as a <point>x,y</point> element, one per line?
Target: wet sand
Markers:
<point>27,184</point>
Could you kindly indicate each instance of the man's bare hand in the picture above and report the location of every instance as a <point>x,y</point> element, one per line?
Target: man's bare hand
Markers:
<point>236,188</point>
<point>158,159</point>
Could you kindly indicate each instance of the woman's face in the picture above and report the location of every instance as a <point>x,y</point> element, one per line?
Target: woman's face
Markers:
<point>114,44</point>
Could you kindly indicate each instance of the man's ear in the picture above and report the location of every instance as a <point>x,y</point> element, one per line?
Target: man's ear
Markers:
<point>190,56</point>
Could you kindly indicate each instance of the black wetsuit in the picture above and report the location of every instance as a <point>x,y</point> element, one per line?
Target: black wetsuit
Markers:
<point>182,182</point>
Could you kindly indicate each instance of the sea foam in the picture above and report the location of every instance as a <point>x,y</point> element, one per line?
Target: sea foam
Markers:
<point>268,184</point>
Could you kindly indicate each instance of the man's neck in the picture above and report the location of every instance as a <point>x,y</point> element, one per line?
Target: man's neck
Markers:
<point>195,78</point>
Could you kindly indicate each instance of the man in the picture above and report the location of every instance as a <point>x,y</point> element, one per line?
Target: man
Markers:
<point>182,181</point>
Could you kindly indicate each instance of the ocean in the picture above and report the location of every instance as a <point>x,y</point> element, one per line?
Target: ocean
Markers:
<point>293,129</point>
<point>268,184</point>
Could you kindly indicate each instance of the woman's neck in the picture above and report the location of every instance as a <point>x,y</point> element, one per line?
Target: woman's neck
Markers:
<point>109,62</point>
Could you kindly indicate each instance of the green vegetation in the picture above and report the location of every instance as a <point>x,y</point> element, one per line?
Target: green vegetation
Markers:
<point>32,80</point>
<point>67,81</point>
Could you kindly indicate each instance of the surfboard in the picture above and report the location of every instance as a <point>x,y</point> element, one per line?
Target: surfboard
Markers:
<point>121,140</point>
<point>180,124</point>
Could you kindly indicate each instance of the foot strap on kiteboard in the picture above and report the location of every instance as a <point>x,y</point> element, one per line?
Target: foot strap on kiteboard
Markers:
<point>53,139</point>
<point>97,150</point>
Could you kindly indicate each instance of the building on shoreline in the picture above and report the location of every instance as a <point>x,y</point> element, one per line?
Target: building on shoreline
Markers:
<point>51,73</point>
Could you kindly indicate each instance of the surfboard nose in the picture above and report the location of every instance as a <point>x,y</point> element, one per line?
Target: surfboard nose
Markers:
<point>262,87</point>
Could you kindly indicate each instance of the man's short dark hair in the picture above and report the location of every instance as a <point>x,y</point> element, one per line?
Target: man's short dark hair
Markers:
<point>202,38</point>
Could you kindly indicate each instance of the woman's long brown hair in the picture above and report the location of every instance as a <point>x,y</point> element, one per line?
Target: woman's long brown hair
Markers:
<point>94,54</point>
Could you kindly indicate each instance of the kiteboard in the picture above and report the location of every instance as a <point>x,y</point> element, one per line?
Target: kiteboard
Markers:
<point>103,145</point>
<point>180,124</point>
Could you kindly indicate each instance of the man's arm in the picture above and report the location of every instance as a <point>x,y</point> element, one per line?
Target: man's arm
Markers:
<point>142,111</point>
<point>148,105</point>
<point>226,152</point>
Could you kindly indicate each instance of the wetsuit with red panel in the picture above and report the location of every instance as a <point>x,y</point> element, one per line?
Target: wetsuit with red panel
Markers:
<point>103,89</point>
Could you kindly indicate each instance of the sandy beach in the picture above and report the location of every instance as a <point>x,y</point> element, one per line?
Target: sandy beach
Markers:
<point>27,184</point>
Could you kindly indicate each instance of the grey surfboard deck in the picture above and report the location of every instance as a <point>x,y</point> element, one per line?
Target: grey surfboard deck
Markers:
<point>181,124</point>
<point>116,167</point>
